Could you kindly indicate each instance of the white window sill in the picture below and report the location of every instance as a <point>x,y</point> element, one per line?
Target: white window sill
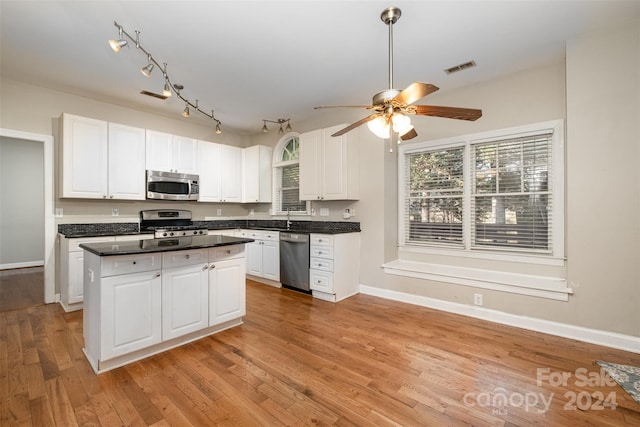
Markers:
<point>554,288</point>
<point>496,255</point>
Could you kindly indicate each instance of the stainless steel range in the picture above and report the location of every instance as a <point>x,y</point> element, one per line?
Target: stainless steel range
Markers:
<point>166,223</point>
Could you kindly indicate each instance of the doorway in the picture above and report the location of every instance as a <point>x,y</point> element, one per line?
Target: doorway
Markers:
<point>28,275</point>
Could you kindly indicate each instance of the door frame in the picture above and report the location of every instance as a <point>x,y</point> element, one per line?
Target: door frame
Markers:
<point>49,217</point>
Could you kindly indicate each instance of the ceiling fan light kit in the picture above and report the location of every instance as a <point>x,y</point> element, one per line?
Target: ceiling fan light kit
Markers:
<point>391,107</point>
<point>118,44</point>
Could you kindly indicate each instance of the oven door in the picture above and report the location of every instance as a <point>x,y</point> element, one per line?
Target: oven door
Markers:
<point>171,186</point>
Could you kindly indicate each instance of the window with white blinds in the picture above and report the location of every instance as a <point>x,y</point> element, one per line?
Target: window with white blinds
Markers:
<point>434,185</point>
<point>511,205</point>
<point>497,191</point>
<point>286,178</point>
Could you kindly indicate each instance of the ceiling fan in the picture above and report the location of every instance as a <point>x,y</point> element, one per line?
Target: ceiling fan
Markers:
<point>391,107</point>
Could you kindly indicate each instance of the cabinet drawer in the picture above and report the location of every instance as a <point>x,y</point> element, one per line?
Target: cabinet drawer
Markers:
<point>321,281</point>
<point>254,234</point>
<point>126,264</point>
<point>185,258</point>
<point>74,244</point>
<point>226,252</point>
<point>321,264</point>
<point>271,235</point>
<point>322,252</point>
<point>321,240</point>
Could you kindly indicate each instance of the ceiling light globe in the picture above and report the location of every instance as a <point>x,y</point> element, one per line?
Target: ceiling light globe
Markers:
<point>379,127</point>
<point>401,123</point>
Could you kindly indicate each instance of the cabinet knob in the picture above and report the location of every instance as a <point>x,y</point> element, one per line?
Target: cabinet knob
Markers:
<point>104,196</point>
<point>204,267</point>
<point>135,262</point>
<point>212,267</point>
<point>187,256</point>
<point>111,196</point>
<point>156,275</point>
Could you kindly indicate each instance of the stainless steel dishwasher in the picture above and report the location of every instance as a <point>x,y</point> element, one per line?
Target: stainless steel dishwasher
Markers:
<point>294,260</point>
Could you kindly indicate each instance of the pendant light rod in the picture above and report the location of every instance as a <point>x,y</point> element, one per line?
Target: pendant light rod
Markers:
<point>167,80</point>
<point>390,16</point>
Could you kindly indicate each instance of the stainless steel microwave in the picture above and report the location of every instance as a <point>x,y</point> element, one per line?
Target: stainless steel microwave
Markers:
<point>172,186</point>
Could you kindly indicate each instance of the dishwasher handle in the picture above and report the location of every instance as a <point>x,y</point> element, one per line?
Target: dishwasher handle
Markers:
<point>300,238</point>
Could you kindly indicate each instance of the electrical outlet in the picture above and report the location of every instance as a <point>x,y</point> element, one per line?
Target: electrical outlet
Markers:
<point>252,212</point>
<point>477,299</point>
<point>219,212</point>
<point>59,212</point>
<point>115,212</point>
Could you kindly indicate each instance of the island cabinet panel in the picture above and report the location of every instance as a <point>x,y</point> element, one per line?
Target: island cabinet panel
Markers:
<point>185,293</point>
<point>133,317</point>
<point>227,285</point>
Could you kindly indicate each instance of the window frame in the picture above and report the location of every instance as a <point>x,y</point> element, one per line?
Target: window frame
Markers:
<point>556,255</point>
<point>278,163</point>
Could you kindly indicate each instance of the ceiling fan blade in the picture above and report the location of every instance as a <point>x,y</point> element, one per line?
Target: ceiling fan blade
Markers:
<point>414,92</point>
<point>409,135</point>
<point>356,124</point>
<point>446,112</point>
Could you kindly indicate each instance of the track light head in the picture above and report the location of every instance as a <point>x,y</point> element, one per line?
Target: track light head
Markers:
<point>288,128</point>
<point>116,45</point>
<point>218,129</point>
<point>264,126</point>
<point>147,69</point>
<point>185,112</point>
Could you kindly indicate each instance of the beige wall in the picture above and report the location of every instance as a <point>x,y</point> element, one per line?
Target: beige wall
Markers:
<point>600,105</point>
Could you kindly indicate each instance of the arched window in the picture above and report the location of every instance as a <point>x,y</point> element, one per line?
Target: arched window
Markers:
<point>286,177</point>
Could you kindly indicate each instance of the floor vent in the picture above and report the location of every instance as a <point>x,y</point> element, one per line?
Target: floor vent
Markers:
<point>460,67</point>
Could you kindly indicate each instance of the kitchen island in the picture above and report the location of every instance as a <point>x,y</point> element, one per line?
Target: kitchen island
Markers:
<point>143,297</point>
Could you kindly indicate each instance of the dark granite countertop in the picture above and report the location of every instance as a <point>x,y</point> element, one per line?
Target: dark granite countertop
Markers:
<point>133,247</point>
<point>132,228</point>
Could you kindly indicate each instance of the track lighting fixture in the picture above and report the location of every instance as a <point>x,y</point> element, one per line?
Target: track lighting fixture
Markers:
<point>280,122</point>
<point>116,45</point>
<point>169,87</point>
<point>146,70</point>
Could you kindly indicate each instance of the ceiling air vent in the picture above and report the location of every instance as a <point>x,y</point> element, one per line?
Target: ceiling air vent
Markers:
<point>155,95</point>
<point>460,67</point>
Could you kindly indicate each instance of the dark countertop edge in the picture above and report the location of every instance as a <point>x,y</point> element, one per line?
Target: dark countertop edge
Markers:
<point>282,230</point>
<point>237,241</point>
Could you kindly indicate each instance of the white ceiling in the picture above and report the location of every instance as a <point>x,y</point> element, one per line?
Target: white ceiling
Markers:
<point>254,60</point>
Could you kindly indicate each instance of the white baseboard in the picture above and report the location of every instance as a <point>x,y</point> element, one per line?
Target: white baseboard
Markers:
<point>21,265</point>
<point>594,336</point>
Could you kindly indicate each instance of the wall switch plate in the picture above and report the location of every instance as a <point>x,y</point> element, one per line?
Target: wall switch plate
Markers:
<point>324,211</point>
<point>59,212</point>
<point>477,299</point>
<point>115,212</point>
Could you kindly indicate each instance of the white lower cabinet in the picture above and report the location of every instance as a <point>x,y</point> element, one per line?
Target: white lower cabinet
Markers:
<point>227,285</point>
<point>263,255</point>
<point>142,304</point>
<point>71,266</point>
<point>185,292</point>
<point>136,319</point>
<point>334,265</point>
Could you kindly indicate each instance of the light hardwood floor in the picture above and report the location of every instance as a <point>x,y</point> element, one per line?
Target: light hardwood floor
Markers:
<point>300,361</point>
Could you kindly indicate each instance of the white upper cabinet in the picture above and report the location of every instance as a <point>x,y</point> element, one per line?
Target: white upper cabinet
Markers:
<point>220,172</point>
<point>102,160</point>
<point>126,162</point>
<point>171,153</point>
<point>329,166</point>
<point>256,174</point>
<point>84,157</point>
